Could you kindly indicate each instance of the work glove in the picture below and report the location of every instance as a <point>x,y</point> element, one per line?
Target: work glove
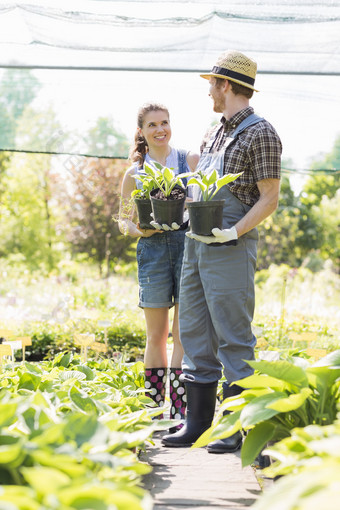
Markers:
<point>219,236</point>
<point>164,226</point>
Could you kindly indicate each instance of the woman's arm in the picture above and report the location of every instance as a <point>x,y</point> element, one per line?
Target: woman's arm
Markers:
<point>126,207</point>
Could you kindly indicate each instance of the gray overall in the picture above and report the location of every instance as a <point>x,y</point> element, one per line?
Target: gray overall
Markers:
<point>216,303</point>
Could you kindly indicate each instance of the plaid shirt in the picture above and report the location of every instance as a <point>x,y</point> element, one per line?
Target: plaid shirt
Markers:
<point>256,152</point>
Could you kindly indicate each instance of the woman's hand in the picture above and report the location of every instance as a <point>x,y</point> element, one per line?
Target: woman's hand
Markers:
<point>128,228</point>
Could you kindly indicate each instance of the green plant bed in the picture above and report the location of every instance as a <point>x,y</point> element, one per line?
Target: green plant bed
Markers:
<point>124,336</point>
<point>70,434</point>
<point>280,396</point>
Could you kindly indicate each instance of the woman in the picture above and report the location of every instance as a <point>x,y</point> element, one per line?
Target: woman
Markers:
<point>159,257</point>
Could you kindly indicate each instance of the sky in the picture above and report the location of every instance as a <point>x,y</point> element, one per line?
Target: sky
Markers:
<point>303,109</point>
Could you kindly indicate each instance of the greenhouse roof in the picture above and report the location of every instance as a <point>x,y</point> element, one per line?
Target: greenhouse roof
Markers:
<point>283,36</point>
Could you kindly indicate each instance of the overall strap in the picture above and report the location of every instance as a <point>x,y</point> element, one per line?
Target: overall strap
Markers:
<point>182,160</point>
<point>182,164</point>
<point>248,121</point>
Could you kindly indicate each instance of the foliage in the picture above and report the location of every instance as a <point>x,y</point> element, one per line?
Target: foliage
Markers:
<point>285,292</point>
<point>280,396</point>
<point>105,140</point>
<point>164,178</point>
<point>209,184</point>
<point>18,88</point>
<point>28,217</point>
<point>310,460</point>
<point>124,336</point>
<point>69,433</point>
<point>90,200</point>
<point>148,185</point>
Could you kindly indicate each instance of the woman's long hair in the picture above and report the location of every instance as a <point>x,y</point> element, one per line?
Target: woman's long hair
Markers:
<point>140,147</point>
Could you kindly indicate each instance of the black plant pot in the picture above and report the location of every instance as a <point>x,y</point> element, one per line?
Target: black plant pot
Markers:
<point>144,211</point>
<point>168,209</point>
<point>204,216</point>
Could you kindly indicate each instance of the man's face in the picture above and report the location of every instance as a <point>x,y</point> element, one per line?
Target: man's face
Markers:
<point>217,95</point>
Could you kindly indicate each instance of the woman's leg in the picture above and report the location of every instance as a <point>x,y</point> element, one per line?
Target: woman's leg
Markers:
<point>157,331</point>
<point>155,358</point>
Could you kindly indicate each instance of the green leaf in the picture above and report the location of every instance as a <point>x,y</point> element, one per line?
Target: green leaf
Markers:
<point>257,410</point>
<point>322,377</point>
<point>292,402</point>
<point>18,498</point>
<point>86,404</point>
<point>8,414</point>
<point>90,374</point>
<point>282,370</point>
<point>45,480</point>
<point>69,375</point>
<point>225,427</point>
<point>227,178</point>
<point>255,440</point>
<point>29,381</point>
<point>263,381</point>
<point>330,360</point>
<point>80,427</point>
<point>12,454</point>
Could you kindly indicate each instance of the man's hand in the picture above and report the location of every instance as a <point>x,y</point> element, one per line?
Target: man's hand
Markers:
<point>219,236</point>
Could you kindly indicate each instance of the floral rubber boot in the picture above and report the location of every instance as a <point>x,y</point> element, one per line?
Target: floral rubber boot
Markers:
<point>178,399</point>
<point>155,384</point>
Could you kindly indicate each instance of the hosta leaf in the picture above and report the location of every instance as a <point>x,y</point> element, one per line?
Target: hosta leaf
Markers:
<point>225,427</point>
<point>322,377</point>
<point>257,410</point>
<point>23,498</point>
<point>64,463</point>
<point>7,414</point>
<point>282,370</point>
<point>255,441</point>
<point>67,375</point>
<point>330,360</point>
<point>33,369</point>
<point>90,374</point>
<point>29,381</point>
<point>80,427</point>
<point>292,402</point>
<point>45,480</point>
<point>86,404</point>
<point>11,454</point>
<point>98,497</point>
<point>263,381</point>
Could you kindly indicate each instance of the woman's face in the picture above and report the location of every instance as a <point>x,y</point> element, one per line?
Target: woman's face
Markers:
<point>156,129</point>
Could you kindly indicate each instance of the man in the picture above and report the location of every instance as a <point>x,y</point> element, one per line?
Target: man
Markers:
<point>217,286</point>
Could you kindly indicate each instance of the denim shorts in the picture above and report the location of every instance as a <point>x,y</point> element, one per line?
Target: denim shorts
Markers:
<point>159,259</point>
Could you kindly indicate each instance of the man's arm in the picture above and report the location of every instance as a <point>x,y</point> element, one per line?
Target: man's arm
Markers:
<point>269,198</point>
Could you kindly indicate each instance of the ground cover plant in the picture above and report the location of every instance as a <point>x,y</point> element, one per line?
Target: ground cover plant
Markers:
<point>280,396</point>
<point>70,433</point>
<point>308,464</point>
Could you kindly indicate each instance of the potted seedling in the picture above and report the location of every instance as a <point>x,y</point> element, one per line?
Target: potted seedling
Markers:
<point>169,194</point>
<point>141,197</point>
<point>207,213</point>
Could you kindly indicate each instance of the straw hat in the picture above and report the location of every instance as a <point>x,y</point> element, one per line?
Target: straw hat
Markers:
<point>233,65</point>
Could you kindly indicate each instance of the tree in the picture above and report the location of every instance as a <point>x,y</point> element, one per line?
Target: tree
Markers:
<point>18,88</point>
<point>92,203</point>
<point>28,213</point>
<point>326,183</point>
<point>105,140</point>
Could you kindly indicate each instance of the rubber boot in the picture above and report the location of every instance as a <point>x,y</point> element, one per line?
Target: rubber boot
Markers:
<point>201,401</point>
<point>234,442</point>
<point>178,398</point>
<point>155,384</point>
